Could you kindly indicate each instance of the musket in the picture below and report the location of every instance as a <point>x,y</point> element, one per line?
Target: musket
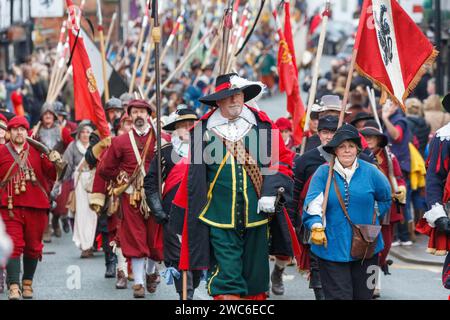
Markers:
<point>313,89</point>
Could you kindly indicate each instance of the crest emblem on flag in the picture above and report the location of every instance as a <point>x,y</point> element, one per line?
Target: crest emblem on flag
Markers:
<point>392,50</point>
<point>92,84</point>
<point>384,35</point>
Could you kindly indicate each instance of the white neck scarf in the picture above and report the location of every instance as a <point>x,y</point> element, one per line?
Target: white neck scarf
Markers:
<point>346,173</point>
<point>80,147</point>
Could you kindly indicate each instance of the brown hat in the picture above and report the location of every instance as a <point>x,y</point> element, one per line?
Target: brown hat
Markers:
<point>139,103</point>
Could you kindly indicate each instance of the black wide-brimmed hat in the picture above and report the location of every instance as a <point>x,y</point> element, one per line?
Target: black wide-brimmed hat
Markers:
<point>328,122</point>
<point>226,86</point>
<point>371,129</point>
<point>345,133</point>
<point>360,116</point>
<point>182,114</point>
<point>446,102</point>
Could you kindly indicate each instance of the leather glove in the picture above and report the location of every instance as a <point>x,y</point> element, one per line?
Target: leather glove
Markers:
<point>443,225</point>
<point>154,202</point>
<point>54,156</point>
<point>96,208</point>
<point>318,235</point>
<point>401,194</point>
<point>267,204</point>
<point>98,148</point>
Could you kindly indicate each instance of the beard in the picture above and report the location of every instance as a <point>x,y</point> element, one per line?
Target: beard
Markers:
<point>19,140</point>
<point>139,122</point>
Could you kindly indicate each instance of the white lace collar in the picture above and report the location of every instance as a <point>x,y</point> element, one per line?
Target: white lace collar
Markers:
<point>444,132</point>
<point>346,173</point>
<point>216,119</point>
<point>142,133</point>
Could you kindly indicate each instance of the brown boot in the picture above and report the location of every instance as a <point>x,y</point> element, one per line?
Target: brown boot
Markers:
<point>138,291</point>
<point>27,290</point>
<point>47,235</point>
<point>130,276</point>
<point>14,292</point>
<point>121,282</point>
<point>152,281</point>
<point>86,254</point>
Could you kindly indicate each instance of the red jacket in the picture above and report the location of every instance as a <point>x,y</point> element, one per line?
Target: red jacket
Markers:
<point>36,196</point>
<point>120,156</point>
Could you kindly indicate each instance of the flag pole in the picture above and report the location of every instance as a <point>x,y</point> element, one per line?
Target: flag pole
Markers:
<point>313,89</point>
<point>362,19</point>
<point>102,49</point>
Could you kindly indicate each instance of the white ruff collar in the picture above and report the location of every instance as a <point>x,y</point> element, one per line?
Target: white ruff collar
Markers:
<point>444,132</point>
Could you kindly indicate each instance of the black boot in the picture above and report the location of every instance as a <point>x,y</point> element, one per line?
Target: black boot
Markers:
<point>318,293</point>
<point>56,227</point>
<point>277,280</point>
<point>110,262</point>
<point>66,225</point>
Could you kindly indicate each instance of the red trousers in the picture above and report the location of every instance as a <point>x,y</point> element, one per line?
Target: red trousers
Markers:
<point>26,230</point>
<point>387,232</point>
<point>139,238</point>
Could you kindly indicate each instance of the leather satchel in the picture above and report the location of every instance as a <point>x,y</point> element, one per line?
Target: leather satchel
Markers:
<point>364,236</point>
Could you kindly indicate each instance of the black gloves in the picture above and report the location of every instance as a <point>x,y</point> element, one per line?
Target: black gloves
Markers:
<point>443,224</point>
<point>154,202</point>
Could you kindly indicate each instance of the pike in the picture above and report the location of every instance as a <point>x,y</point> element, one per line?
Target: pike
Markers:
<point>59,50</point>
<point>166,47</point>
<point>179,67</point>
<point>148,51</point>
<point>342,112</point>
<point>102,48</point>
<point>139,51</point>
<point>313,89</point>
<point>110,30</point>
<point>227,26</point>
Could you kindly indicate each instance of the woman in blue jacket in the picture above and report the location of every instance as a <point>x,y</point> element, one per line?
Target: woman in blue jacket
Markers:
<point>364,190</point>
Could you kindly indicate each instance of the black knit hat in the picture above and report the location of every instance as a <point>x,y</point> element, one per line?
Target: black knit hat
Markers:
<point>225,89</point>
<point>182,114</point>
<point>328,122</point>
<point>345,133</point>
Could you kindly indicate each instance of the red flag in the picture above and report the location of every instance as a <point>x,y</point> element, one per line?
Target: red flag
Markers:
<point>288,75</point>
<point>88,104</point>
<point>392,51</point>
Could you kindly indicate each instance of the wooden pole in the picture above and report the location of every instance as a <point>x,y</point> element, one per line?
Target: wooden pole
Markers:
<point>313,89</point>
<point>227,26</point>
<point>138,53</point>
<point>102,49</point>
<point>184,284</point>
<point>178,68</point>
<point>110,30</point>
<point>341,121</point>
<point>148,51</point>
<point>61,84</point>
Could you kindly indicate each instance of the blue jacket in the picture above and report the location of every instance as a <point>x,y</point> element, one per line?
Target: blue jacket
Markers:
<point>367,185</point>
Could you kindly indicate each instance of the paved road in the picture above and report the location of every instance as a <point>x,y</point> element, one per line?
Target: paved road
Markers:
<point>56,278</point>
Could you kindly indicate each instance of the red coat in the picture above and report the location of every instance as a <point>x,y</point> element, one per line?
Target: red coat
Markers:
<point>383,165</point>
<point>36,196</point>
<point>120,156</point>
